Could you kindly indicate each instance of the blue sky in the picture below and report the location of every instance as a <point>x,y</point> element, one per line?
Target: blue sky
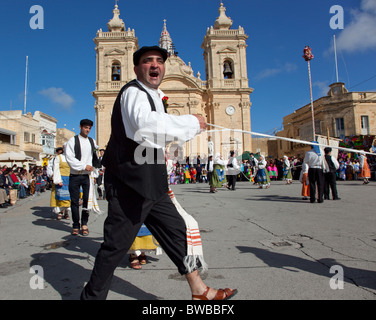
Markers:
<point>62,56</point>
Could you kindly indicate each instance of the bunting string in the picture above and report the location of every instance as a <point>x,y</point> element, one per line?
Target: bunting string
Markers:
<point>222,129</point>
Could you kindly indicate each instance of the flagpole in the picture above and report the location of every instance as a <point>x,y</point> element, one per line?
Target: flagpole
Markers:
<point>335,55</point>
<point>312,112</point>
<point>27,61</point>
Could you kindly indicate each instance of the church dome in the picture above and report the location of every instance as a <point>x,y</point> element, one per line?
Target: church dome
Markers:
<point>116,24</point>
<point>222,22</point>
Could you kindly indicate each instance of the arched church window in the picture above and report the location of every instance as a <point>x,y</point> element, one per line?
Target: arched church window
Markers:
<point>116,71</point>
<point>228,70</point>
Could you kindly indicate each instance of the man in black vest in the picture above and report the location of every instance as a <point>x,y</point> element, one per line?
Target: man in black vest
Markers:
<point>331,166</point>
<point>82,158</point>
<point>136,177</point>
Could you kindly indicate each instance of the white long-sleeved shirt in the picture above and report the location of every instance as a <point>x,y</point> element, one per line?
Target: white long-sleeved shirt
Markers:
<point>261,164</point>
<point>56,169</point>
<point>78,166</point>
<point>218,160</point>
<point>313,159</point>
<point>235,169</point>
<point>154,129</point>
<point>50,168</point>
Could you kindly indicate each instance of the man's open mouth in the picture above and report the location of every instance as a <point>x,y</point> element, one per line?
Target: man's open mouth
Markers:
<point>154,74</point>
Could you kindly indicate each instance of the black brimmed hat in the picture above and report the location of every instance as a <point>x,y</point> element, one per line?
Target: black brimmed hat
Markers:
<point>86,122</point>
<point>137,55</point>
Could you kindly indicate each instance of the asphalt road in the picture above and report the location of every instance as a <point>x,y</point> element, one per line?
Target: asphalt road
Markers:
<point>269,244</point>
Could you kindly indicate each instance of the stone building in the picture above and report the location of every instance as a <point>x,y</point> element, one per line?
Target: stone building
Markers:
<point>339,114</point>
<point>27,133</point>
<point>223,97</point>
<point>34,136</point>
<point>62,136</point>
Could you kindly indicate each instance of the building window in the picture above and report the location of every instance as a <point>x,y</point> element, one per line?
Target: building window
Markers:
<point>26,137</point>
<point>364,122</point>
<point>340,127</point>
<point>318,126</point>
<point>116,71</point>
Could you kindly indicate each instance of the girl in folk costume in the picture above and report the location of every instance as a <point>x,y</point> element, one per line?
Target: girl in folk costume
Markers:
<point>262,174</point>
<point>304,180</point>
<point>187,175</point>
<point>193,173</point>
<point>272,171</point>
<point>342,170</point>
<point>218,177</point>
<point>60,197</point>
<point>365,172</point>
<point>144,242</point>
<point>269,169</point>
<point>287,175</point>
<point>172,177</point>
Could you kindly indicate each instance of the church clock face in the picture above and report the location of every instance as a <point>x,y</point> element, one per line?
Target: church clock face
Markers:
<point>230,110</point>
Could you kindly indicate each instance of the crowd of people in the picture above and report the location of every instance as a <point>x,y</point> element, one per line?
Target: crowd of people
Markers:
<point>263,171</point>
<point>18,183</point>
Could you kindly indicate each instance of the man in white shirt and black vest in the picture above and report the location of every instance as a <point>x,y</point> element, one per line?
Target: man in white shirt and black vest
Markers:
<point>314,160</point>
<point>81,156</point>
<point>330,166</point>
<point>136,177</point>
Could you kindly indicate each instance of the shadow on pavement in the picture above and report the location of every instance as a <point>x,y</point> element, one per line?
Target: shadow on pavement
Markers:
<point>359,277</point>
<point>64,271</point>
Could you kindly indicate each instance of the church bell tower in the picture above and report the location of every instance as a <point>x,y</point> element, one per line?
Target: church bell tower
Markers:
<point>114,65</point>
<point>226,75</point>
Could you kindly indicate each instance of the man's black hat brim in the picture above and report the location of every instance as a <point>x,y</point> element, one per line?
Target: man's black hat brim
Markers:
<point>137,55</point>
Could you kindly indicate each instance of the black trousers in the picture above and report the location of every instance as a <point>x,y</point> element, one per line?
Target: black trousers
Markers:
<point>330,182</point>
<point>208,175</point>
<point>231,181</point>
<point>127,210</point>
<point>75,184</point>
<point>316,178</point>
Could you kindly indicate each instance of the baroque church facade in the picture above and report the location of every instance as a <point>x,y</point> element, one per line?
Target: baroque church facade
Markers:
<point>223,98</point>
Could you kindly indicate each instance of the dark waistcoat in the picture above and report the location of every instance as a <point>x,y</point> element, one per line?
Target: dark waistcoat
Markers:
<point>149,178</point>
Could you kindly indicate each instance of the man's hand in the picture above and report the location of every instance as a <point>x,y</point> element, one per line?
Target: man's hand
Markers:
<point>89,168</point>
<point>202,121</point>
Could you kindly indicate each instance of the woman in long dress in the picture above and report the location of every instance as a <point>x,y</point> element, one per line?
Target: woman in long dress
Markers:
<point>61,202</point>
<point>365,171</point>
<point>287,175</point>
<point>262,174</point>
<point>304,180</point>
<point>218,177</point>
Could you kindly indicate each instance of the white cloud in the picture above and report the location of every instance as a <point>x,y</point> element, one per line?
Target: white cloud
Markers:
<point>359,34</point>
<point>322,87</point>
<point>58,96</point>
<point>271,72</point>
